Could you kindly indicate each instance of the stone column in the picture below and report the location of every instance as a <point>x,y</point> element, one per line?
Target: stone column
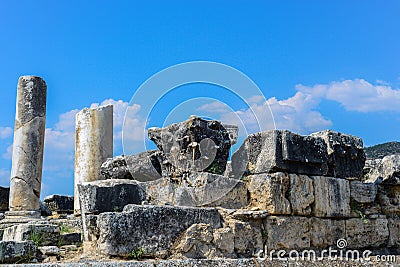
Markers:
<point>93,145</point>
<point>27,157</point>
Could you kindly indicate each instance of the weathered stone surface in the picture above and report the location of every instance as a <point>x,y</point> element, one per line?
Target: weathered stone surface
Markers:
<point>364,234</point>
<point>198,189</point>
<point>195,242</point>
<point>346,156</point>
<point>248,239</point>
<point>145,166</point>
<point>152,228</point>
<point>301,194</point>
<point>17,251</point>
<point>194,145</point>
<point>49,250</point>
<point>27,157</point>
<point>44,234</point>
<point>244,214</point>
<point>324,233</point>
<point>288,232</point>
<point>4,197</point>
<point>332,197</point>
<point>224,240</point>
<point>268,192</point>
<point>60,204</point>
<point>374,262</point>
<point>110,195</point>
<point>44,209</point>
<point>363,192</point>
<point>386,170</point>
<point>394,231</point>
<point>91,224</point>
<point>70,238</point>
<point>276,151</point>
<point>93,145</point>
<point>389,198</point>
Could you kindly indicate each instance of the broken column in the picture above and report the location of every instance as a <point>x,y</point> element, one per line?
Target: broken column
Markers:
<point>27,157</point>
<point>93,145</point>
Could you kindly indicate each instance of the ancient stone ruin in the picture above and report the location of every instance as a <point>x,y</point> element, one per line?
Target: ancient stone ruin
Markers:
<point>187,204</point>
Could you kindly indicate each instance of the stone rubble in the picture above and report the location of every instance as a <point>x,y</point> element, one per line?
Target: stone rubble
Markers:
<point>194,145</point>
<point>386,170</point>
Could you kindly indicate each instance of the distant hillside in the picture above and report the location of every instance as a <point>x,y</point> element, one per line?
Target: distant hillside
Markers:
<point>382,150</point>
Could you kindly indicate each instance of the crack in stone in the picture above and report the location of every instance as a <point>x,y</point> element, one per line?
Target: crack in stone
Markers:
<point>22,124</point>
<point>16,177</point>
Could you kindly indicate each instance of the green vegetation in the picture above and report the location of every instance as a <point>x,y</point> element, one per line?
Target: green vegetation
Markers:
<point>215,168</point>
<point>382,150</point>
<point>65,229</point>
<point>36,236</point>
<point>359,209</point>
<point>137,253</point>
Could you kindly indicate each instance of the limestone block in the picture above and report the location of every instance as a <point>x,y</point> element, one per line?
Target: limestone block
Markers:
<point>93,145</point>
<point>224,240</point>
<point>152,228</point>
<point>346,156</point>
<point>45,234</point>
<point>324,233</point>
<point>70,238</point>
<point>60,204</point>
<point>248,239</point>
<point>332,197</point>
<point>44,209</point>
<point>110,195</point>
<point>301,194</point>
<point>17,251</point>
<point>363,192</point>
<point>370,233</point>
<point>199,189</point>
<point>145,166</point>
<point>287,233</point>
<point>27,156</point>
<point>389,198</point>
<point>195,242</point>
<point>280,151</point>
<point>268,192</point>
<point>394,232</point>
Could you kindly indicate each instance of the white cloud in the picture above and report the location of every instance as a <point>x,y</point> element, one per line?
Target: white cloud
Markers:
<point>356,95</point>
<point>8,153</point>
<point>300,113</point>
<point>296,113</point>
<point>5,132</point>
<point>216,107</point>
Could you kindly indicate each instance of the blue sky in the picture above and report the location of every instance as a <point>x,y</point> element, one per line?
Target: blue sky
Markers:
<point>319,64</point>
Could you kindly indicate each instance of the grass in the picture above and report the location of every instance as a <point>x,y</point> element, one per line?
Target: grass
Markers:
<point>36,236</point>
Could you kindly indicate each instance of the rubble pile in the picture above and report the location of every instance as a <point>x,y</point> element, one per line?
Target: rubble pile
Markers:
<point>186,201</point>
